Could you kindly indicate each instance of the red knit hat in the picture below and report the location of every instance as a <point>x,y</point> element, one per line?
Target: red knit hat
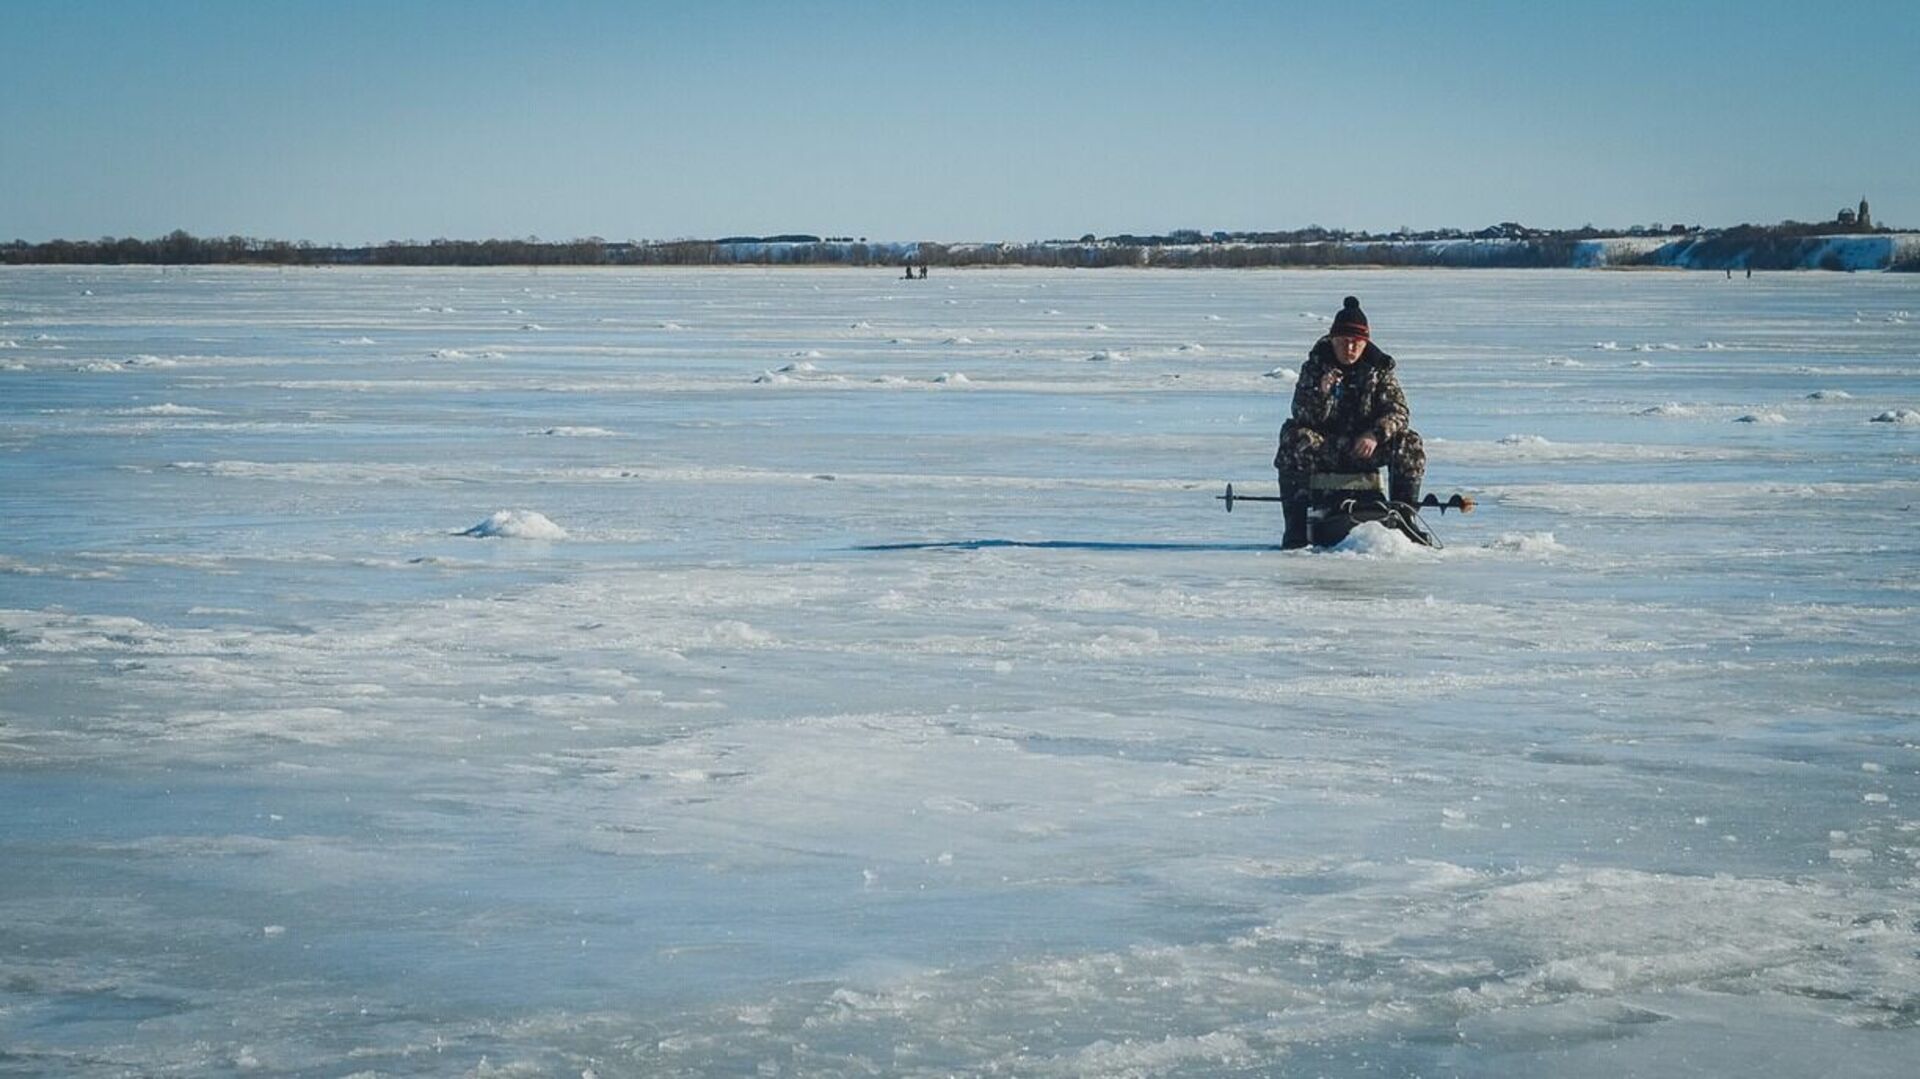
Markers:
<point>1351,321</point>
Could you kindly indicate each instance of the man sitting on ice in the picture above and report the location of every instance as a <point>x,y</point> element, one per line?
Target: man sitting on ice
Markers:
<point>1349,415</point>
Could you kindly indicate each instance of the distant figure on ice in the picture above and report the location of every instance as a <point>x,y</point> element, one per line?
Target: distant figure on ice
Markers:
<point>923,271</point>
<point>1349,415</point>
<point>908,274</point>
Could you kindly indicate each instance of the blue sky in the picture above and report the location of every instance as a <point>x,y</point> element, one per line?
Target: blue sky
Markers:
<point>349,122</point>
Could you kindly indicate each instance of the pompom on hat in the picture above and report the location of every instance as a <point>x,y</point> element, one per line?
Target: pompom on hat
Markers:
<point>1351,321</point>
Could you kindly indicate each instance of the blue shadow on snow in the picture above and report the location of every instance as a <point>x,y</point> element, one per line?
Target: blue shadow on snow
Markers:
<point>1061,545</point>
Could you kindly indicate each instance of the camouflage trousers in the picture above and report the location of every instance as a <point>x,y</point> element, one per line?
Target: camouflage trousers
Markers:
<point>1304,451</point>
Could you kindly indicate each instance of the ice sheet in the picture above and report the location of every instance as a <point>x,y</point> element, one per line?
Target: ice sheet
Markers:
<point>916,710</point>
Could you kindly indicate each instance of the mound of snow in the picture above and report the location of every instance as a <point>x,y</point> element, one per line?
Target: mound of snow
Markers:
<point>449,354</point>
<point>810,354</point>
<point>1640,363</point>
<point>863,324</point>
<point>1768,416</point>
<point>1284,374</point>
<point>1607,346</point>
<point>1671,408</point>
<point>954,378</point>
<point>532,327</point>
<point>671,325</point>
<point>516,524</point>
<point>1374,540</point>
<point>770,377</point>
<point>959,341</point>
<point>802,366</point>
<point>146,360</point>
<point>1534,543</point>
<point>579,432</point>
<point>1711,346</point>
<point>1097,326</point>
<point>1524,440</point>
<point>354,341</point>
<point>1191,347</point>
<point>1898,415</point>
<point>1563,361</point>
<point>1107,356</point>
<point>1829,395</point>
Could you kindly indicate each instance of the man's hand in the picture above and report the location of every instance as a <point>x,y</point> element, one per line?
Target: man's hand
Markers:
<point>1364,445</point>
<point>1329,380</point>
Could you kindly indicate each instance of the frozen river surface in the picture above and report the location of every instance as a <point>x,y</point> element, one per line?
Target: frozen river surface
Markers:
<point>890,695</point>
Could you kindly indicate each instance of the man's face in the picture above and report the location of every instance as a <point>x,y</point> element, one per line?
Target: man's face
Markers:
<point>1348,349</point>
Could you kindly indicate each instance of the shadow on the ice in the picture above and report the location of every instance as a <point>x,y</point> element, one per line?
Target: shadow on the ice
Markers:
<point>1061,545</point>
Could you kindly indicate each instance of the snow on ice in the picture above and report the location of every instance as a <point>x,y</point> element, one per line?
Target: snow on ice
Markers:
<point>1005,751</point>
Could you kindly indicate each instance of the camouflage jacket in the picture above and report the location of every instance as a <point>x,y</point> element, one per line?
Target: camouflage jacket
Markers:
<point>1364,398</point>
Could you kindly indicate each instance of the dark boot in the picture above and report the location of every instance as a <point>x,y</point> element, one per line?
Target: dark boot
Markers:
<point>1294,508</point>
<point>1406,467</point>
<point>1296,535</point>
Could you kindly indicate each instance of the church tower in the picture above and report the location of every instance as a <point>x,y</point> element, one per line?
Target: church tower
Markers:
<point>1864,218</point>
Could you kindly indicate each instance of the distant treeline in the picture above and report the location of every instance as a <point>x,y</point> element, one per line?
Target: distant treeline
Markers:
<point>1508,244</point>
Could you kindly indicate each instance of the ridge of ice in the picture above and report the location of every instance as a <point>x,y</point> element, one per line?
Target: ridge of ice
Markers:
<point>1532,543</point>
<point>166,409</point>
